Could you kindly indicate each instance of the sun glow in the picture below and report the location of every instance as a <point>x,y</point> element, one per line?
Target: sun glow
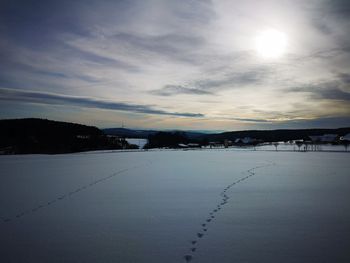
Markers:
<point>271,44</point>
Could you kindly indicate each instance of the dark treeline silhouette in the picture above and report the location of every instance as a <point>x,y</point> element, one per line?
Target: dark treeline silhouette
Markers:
<point>22,136</point>
<point>263,135</point>
<point>129,133</point>
<point>166,139</point>
<point>276,135</point>
<point>173,140</point>
<point>144,134</point>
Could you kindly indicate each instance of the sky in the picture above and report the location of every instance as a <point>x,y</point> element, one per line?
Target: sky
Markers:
<point>164,64</point>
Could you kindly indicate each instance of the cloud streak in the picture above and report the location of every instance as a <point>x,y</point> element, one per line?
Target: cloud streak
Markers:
<point>58,99</point>
<point>328,90</point>
<point>170,90</point>
<point>149,52</point>
<point>231,80</point>
<point>251,120</point>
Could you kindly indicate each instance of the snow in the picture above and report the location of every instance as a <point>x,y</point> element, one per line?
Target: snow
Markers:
<point>149,207</point>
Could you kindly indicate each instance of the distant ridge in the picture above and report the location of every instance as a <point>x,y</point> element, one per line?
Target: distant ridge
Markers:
<point>32,135</point>
<point>276,135</point>
<point>265,135</point>
<point>144,134</point>
<point>130,133</point>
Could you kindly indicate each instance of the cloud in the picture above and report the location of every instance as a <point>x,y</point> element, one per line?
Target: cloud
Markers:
<point>331,94</point>
<point>328,93</point>
<point>253,76</point>
<point>58,99</point>
<point>321,122</point>
<point>256,76</point>
<point>170,90</point>
<point>251,120</point>
<point>331,18</point>
<point>176,46</point>
<point>338,8</point>
<point>203,50</point>
<point>327,90</point>
<point>344,77</point>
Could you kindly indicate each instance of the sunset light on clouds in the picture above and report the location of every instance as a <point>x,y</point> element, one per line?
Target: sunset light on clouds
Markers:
<point>210,65</point>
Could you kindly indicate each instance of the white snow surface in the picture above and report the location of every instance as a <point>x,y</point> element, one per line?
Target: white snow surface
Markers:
<point>150,206</point>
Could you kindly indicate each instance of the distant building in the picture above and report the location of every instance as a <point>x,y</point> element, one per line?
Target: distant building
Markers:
<point>7,150</point>
<point>215,144</point>
<point>245,140</point>
<point>190,145</point>
<point>227,143</point>
<point>83,137</point>
<point>248,140</point>
<point>345,137</point>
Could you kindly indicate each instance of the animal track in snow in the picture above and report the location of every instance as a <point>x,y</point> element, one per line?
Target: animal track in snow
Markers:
<point>64,196</point>
<point>222,203</point>
<point>188,258</point>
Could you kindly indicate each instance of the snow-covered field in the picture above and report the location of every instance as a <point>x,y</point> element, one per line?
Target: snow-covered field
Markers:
<point>158,206</point>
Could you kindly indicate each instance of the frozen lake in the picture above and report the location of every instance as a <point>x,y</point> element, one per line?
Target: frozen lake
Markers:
<point>139,142</point>
<point>158,206</point>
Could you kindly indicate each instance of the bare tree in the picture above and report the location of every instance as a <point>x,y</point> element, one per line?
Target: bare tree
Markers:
<point>299,144</point>
<point>254,144</point>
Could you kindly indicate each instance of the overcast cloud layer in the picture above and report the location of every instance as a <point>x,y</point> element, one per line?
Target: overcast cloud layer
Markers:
<point>175,64</point>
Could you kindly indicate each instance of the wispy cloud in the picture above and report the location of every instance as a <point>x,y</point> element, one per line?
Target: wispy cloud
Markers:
<point>139,51</point>
<point>331,94</point>
<point>251,120</point>
<point>328,90</point>
<point>210,86</point>
<point>58,99</point>
<point>170,90</point>
<point>236,79</point>
<point>318,122</point>
<point>174,46</point>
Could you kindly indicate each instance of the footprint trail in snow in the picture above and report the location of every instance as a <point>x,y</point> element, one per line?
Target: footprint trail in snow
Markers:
<point>212,214</point>
<point>66,195</point>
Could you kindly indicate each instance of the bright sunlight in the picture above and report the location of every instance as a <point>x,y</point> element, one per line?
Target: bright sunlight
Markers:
<point>271,44</point>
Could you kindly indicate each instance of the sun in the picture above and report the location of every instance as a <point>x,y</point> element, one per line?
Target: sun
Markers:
<point>271,43</point>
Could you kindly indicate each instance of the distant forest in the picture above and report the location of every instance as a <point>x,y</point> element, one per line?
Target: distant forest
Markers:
<point>277,135</point>
<point>263,135</point>
<point>172,139</point>
<point>23,136</point>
